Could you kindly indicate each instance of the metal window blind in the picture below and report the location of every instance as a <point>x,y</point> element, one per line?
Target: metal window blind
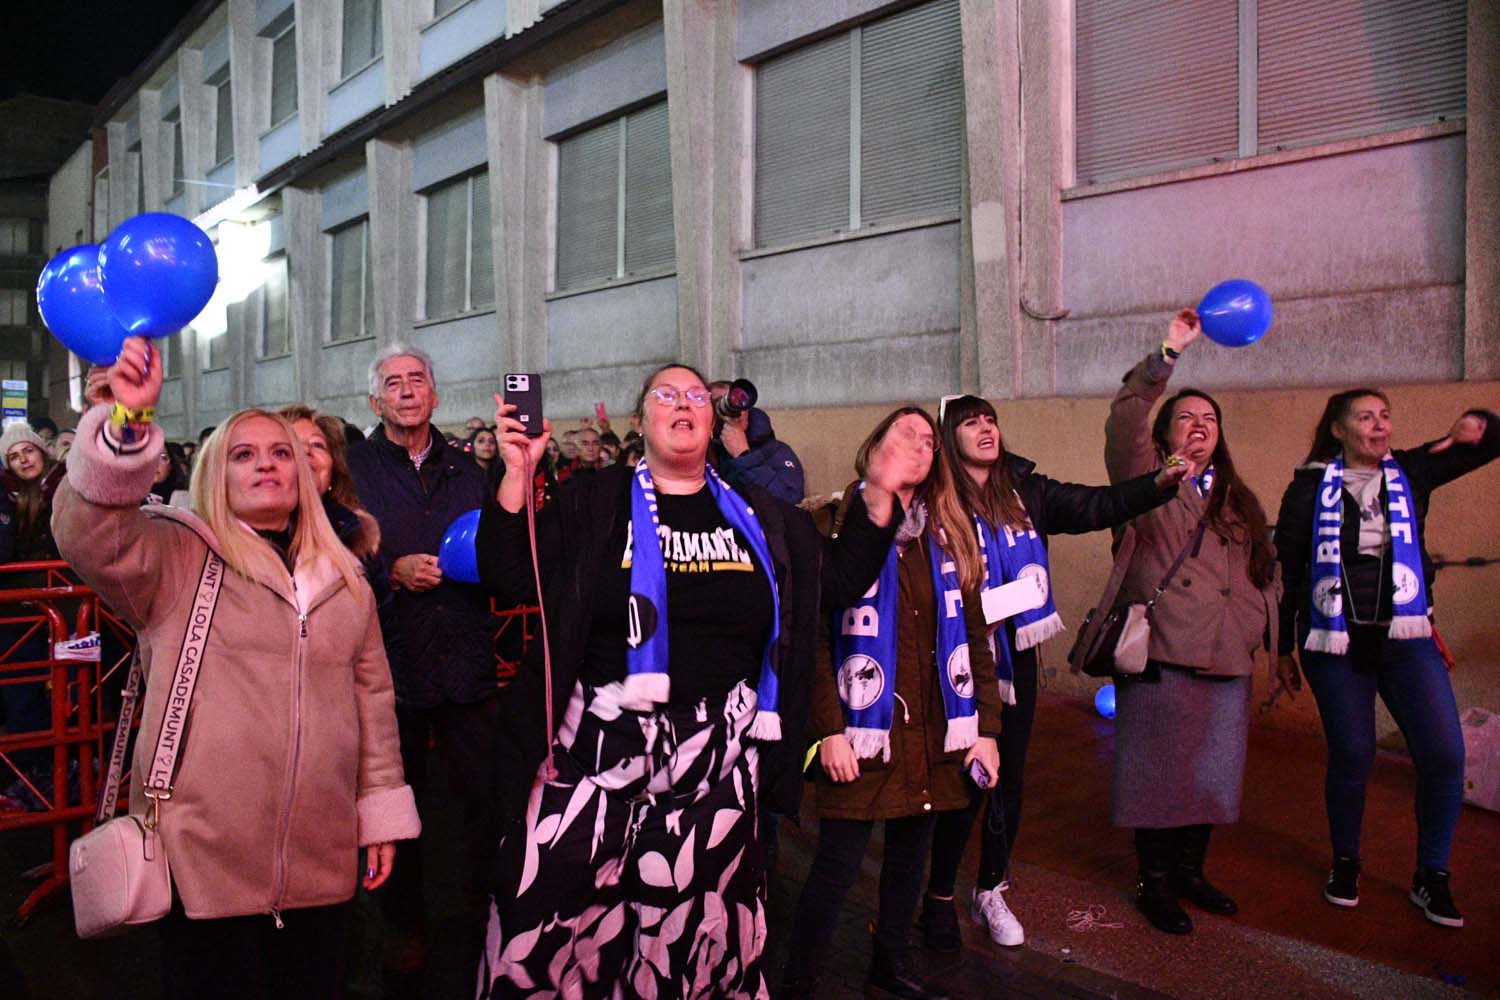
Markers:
<point>481,261</point>
<point>173,365</point>
<point>347,290</point>
<point>442,7</point>
<point>223,123</point>
<point>274,335</point>
<point>588,179</point>
<point>1157,85</point>
<point>802,109</point>
<point>361,34</point>
<point>176,185</point>
<point>367,284</point>
<point>1340,68</point>
<point>911,114</point>
<point>140,178</point>
<point>650,243</point>
<point>447,234</point>
<point>101,204</point>
<point>218,352</point>
<point>283,76</point>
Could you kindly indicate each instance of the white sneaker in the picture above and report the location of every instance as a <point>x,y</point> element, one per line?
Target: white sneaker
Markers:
<point>991,911</point>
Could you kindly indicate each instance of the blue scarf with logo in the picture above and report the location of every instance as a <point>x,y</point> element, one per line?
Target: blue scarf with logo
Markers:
<point>647,678</point>
<point>865,654</point>
<point>1010,556</point>
<point>1329,632</point>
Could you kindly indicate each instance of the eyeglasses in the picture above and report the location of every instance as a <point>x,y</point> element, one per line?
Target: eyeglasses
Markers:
<point>668,395</point>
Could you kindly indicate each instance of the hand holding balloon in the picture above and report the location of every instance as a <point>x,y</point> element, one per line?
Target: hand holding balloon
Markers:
<point>135,377</point>
<point>1184,329</point>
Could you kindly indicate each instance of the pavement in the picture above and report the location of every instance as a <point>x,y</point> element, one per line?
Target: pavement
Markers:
<point>1071,888</point>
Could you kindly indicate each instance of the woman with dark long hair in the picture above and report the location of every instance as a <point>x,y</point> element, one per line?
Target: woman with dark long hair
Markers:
<point>1357,603</point>
<point>1182,725</point>
<point>900,712</point>
<point>1013,509</point>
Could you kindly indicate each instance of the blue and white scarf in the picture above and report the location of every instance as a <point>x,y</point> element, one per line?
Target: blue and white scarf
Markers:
<point>1010,556</point>
<point>647,680</point>
<point>1329,632</point>
<point>1204,481</point>
<point>865,652</point>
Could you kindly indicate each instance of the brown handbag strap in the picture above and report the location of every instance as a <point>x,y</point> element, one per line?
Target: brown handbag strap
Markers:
<point>1128,542</point>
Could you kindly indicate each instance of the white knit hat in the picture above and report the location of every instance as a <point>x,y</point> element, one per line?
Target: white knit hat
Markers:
<point>18,432</point>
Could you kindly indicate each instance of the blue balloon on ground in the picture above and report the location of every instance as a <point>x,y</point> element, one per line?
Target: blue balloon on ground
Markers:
<point>1104,701</point>
<point>159,272</point>
<point>71,299</point>
<point>457,557</point>
<point>1235,313</point>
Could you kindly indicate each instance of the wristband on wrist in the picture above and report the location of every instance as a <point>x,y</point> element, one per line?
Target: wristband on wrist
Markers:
<point>122,415</point>
<point>1167,353</point>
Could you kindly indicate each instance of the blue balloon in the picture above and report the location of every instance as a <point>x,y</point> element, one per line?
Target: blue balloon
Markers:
<point>1235,313</point>
<point>70,296</point>
<point>159,272</point>
<point>457,557</point>
<point>1104,701</point>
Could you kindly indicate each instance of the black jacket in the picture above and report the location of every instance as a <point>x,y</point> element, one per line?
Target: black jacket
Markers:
<point>1071,509</point>
<point>361,537</point>
<point>448,632</point>
<point>1425,471</point>
<point>572,535</point>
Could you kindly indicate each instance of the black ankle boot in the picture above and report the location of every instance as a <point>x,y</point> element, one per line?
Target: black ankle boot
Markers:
<point>1156,853</point>
<point>1188,879</point>
<point>892,975</point>
<point>940,925</point>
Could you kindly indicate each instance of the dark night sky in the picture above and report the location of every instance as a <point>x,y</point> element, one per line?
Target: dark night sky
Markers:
<point>76,49</point>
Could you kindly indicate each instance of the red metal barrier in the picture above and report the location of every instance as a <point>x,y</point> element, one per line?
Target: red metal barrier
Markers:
<point>515,631</point>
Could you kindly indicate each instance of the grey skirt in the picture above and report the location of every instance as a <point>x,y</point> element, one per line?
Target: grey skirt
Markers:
<point>1179,748</point>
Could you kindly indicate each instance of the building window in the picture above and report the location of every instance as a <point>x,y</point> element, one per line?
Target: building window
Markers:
<point>459,274</point>
<point>361,35</point>
<point>172,155</point>
<point>15,237</point>
<point>862,129</point>
<point>14,307</point>
<point>101,204</point>
<point>284,76</point>
<point>216,351</point>
<point>614,200</point>
<point>353,291</point>
<point>441,7</point>
<point>140,177</point>
<point>275,336</point>
<point>172,362</point>
<point>1265,75</point>
<point>223,123</point>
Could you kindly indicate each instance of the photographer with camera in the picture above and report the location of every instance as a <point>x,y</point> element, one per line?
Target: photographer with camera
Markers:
<point>746,449</point>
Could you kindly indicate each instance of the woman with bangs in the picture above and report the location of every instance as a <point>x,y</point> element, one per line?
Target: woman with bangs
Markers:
<point>1013,509</point>
<point>290,768</point>
<point>1206,564</point>
<point>897,716</point>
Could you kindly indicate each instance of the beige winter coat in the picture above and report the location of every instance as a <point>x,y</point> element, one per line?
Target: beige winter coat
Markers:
<point>291,760</point>
<point>1212,617</point>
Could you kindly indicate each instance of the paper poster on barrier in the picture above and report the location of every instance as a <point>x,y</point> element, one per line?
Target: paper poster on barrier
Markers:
<point>84,648</point>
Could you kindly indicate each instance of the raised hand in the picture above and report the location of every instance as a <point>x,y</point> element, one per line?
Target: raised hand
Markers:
<point>135,377</point>
<point>1183,330</point>
<point>1468,429</point>
<point>518,452</point>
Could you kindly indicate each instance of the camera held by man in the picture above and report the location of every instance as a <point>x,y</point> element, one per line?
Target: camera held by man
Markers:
<point>746,446</point>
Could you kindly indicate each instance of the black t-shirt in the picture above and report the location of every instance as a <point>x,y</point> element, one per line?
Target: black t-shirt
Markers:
<point>718,601</point>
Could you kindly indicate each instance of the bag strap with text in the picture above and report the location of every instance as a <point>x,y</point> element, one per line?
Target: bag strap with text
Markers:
<point>158,783</point>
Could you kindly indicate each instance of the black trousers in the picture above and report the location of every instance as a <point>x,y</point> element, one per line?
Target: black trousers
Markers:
<point>841,848</point>
<point>465,738</point>
<point>247,958</point>
<point>1001,805</point>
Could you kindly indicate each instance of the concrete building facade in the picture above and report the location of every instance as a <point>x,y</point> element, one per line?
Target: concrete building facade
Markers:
<point>851,202</point>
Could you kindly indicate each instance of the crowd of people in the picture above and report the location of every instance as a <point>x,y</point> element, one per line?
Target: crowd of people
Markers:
<point>714,648</point>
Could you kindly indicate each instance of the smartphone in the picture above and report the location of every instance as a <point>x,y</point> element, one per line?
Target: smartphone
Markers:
<point>599,413</point>
<point>523,390</point>
<point>978,774</point>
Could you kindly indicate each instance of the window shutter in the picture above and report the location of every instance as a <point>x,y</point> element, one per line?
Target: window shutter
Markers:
<point>588,177</point>
<point>447,235</point>
<point>367,286</point>
<point>911,114</point>
<point>224,124</point>
<point>1157,85</point>
<point>348,264</point>
<point>274,340</point>
<point>1340,68</point>
<point>802,143</point>
<point>283,76</point>
<point>650,243</point>
<point>361,34</point>
<point>178,168</point>
<point>442,7</point>
<point>481,261</point>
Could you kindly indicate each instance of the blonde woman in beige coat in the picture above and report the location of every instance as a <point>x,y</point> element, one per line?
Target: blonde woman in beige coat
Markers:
<point>289,784</point>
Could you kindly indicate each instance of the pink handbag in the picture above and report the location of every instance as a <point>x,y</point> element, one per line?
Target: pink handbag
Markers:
<point>118,870</point>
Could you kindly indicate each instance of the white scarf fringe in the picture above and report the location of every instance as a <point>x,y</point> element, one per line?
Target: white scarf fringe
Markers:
<point>869,743</point>
<point>1039,632</point>
<point>1327,640</point>
<point>962,733</point>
